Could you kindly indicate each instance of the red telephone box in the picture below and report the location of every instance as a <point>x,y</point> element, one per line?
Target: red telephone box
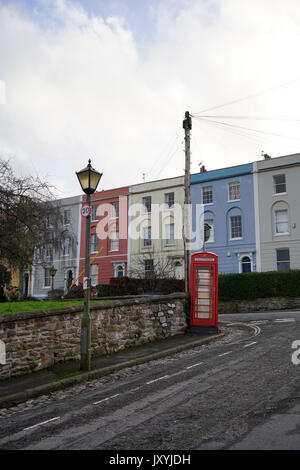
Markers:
<point>204,292</point>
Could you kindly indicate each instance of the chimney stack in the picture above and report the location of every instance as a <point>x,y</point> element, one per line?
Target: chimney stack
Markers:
<point>265,155</point>
<point>202,169</point>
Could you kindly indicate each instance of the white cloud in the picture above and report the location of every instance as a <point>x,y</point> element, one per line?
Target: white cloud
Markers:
<point>78,87</point>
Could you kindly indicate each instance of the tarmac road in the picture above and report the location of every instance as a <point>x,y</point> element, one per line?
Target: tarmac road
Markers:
<point>241,392</point>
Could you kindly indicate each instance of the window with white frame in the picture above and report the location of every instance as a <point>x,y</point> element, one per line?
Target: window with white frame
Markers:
<point>210,222</point>
<point>114,241</point>
<point>49,221</point>
<point>234,191</point>
<point>94,212</point>
<point>146,201</point>
<point>149,269</point>
<point>236,226</point>
<point>147,240</point>
<point>49,251</point>
<point>207,195</point>
<point>67,216</point>
<point>114,210</point>
<point>283,259</point>
<point>169,234</point>
<point>94,243</point>
<point>47,278</point>
<point>66,245</point>
<point>94,274</point>
<point>279,184</point>
<point>281,222</point>
<point>169,200</point>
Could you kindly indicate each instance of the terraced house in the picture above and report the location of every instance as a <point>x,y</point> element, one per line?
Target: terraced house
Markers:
<point>277,207</point>
<point>155,220</point>
<point>228,198</point>
<point>109,236</point>
<point>63,256</point>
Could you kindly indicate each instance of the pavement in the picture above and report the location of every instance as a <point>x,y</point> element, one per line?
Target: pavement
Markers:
<point>19,389</point>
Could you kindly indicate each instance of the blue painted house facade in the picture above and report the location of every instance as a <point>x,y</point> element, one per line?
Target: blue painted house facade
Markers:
<point>227,196</point>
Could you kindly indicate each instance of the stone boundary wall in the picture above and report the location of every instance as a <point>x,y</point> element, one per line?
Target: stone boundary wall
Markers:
<point>259,305</point>
<point>41,338</point>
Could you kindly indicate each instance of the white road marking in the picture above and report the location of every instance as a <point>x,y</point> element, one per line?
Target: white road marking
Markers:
<point>155,380</point>
<point>105,399</point>
<point>177,373</point>
<point>40,424</point>
<point>224,354</point>
<point>259,322</point>
<point>195,365</point>
<point>250,344</point>
<point>284,320</point>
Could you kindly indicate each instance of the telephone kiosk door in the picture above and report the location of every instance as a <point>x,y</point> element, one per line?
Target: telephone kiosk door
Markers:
<point>204,289</point>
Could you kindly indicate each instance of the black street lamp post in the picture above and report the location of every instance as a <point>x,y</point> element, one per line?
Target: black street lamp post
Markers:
<point>88,179</point>
<point>52,274</point>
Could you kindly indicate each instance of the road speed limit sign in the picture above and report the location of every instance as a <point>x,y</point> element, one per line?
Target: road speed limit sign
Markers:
<point>85,210</point>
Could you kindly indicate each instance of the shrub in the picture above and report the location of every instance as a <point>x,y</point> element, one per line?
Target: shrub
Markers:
<point>250,286</point>
<point>56,294</point>
<point>131,286</point>
<point>103,290</point>
<point>75,293</point>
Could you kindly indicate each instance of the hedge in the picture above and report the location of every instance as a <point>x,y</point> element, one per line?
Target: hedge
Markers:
<point>250,286</point>
<point>246,286</point>
<point>132,286</point>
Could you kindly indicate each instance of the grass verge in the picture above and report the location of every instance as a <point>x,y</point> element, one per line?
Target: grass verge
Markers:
<point>27,306</point>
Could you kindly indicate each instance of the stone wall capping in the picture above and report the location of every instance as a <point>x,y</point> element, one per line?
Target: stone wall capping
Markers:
<point>13,317</point>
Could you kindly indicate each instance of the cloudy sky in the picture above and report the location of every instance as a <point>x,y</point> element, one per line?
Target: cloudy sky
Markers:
<point>111,80</point>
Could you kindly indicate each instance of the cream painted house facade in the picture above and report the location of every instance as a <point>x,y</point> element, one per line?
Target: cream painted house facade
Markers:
<point>277,212</point>
<point>155,227</point>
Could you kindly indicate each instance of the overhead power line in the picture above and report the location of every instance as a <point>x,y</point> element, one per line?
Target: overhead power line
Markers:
<point>269,90</point>
<point>225,124</point>
<point>245,134</point>
<point>249,118</point>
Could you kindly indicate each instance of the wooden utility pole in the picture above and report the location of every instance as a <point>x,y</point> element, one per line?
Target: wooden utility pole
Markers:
<point>187,126</point>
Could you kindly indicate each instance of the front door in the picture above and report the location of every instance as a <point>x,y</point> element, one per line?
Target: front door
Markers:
<point>26,284</point>
<point>69,279</point>
<point>246,264</point>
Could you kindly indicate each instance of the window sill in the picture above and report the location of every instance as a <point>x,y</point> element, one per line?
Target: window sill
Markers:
<point>280,194</point>
<point>208,203</point>
<point>281,234</point>
<point>233,200</point>
<point>234,239</point>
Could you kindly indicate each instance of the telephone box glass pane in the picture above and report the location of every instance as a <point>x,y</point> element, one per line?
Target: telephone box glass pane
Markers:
<point>203,294</point>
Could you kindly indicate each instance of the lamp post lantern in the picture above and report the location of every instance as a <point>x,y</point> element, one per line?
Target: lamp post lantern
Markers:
<point>88,179</point>
<point>52,274</point>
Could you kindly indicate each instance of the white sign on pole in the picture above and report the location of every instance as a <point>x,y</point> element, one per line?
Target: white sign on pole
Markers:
<point>85,210</point>
<point>2,353</point>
